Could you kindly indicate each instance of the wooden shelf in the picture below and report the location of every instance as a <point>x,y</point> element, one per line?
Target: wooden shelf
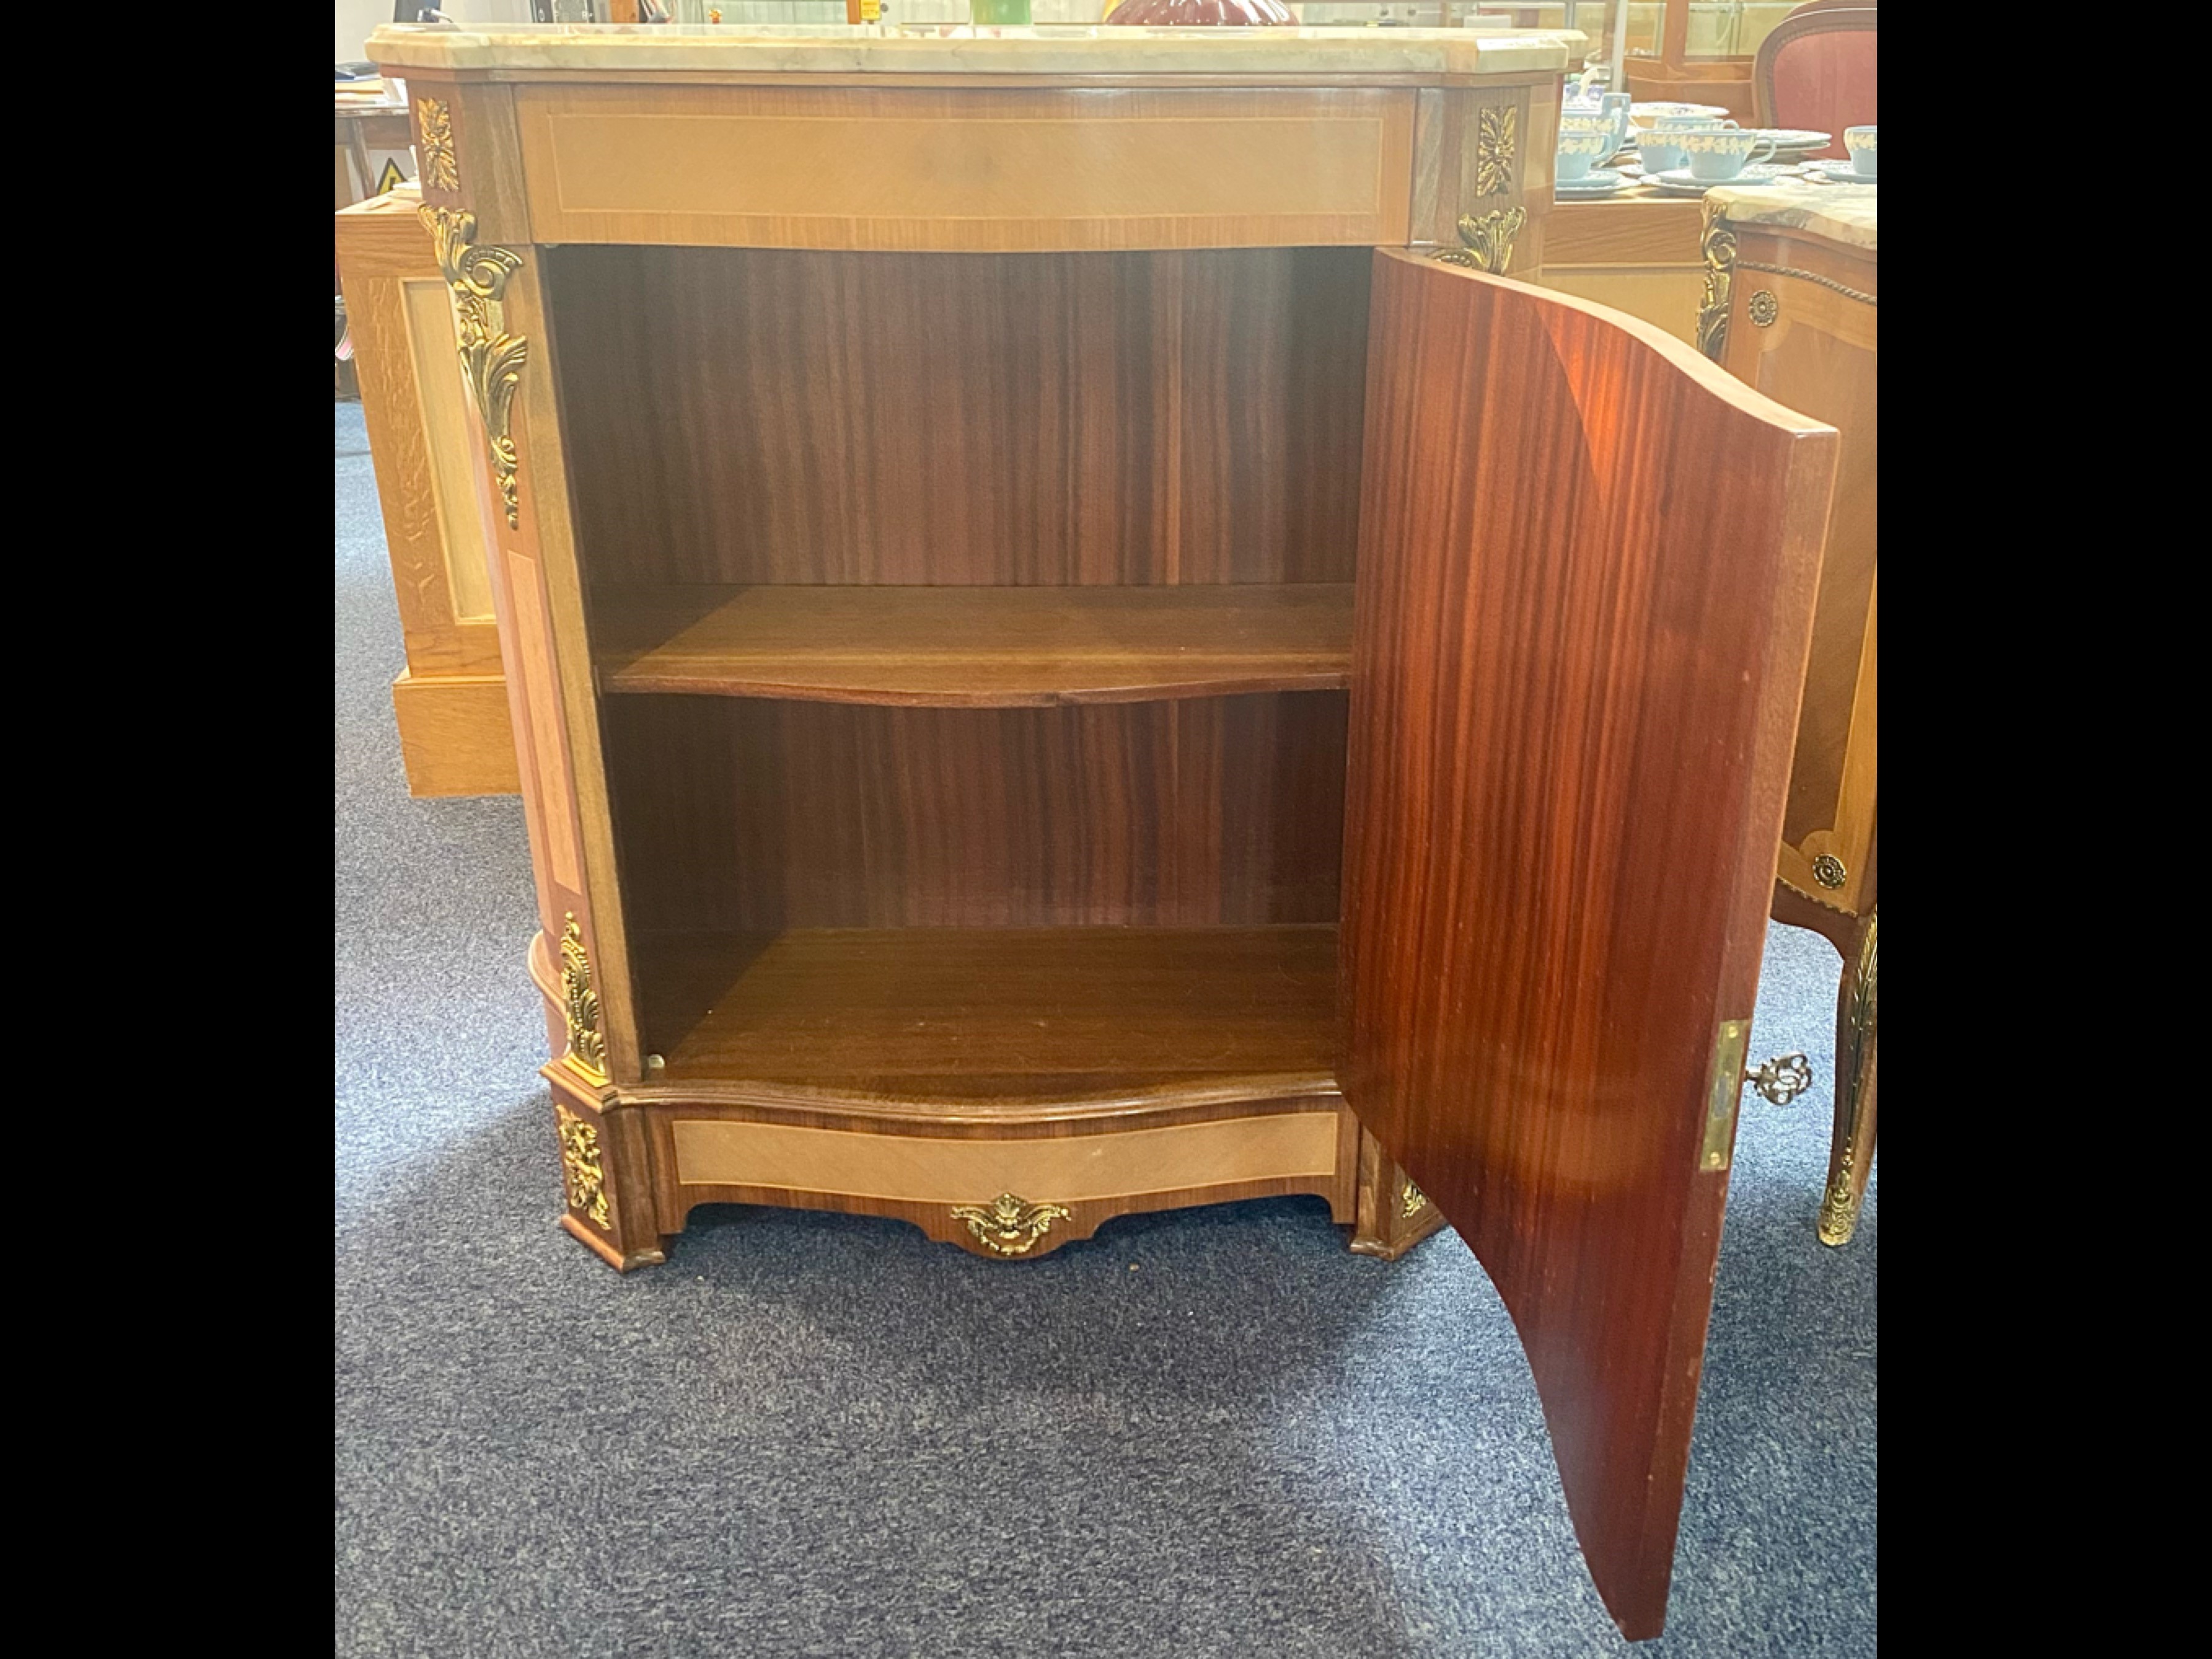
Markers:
<point>974,648</point>
<point>1001,1019</point>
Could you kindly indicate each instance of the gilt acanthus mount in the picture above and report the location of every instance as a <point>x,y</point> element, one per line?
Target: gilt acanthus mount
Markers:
<point>1488,241</point>
<point>491,358</point>
<point>1009,1226</point>
<point>587,1044</point>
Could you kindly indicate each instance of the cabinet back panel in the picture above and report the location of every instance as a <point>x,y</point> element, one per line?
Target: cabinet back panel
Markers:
<point>751,814</point>
<point>748,414</point>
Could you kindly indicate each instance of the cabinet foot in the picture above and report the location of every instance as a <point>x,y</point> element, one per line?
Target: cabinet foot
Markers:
<point>1393,1214</point>
<point>607,1253</point>
<point>604,1172</point>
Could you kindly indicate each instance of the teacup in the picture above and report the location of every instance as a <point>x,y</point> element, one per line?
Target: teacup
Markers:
<point>1581,151</point>
<point>1859,141</point>
<point>1661,154</point>
<point>1589,126</point>
<point>1611,108</point>
<point>1718,153</point>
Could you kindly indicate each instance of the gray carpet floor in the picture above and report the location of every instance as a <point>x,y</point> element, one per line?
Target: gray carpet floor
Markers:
<point>1215,1432</point>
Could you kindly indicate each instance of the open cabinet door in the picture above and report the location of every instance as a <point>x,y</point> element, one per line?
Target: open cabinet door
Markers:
<point>1587,563</point>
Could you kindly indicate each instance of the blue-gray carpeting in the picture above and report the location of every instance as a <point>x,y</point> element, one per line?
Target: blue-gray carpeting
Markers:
<point>1210,1433</point>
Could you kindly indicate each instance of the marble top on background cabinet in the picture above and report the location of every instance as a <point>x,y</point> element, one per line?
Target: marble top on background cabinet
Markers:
<point>965,49</point>
<point>1842,213</point>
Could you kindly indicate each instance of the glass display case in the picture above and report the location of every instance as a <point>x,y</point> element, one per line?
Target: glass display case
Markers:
<point>1711,28</point>
<point>1699,50</point>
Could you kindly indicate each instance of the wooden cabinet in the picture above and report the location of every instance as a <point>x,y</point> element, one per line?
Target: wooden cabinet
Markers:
<point>1062,666</point>
<point>1790,308</point>
<point>1637,253</point>
<point>450,699</point>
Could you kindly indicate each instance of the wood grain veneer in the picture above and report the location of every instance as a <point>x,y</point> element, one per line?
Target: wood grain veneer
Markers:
<point>748,416</point>
<point>1001,169</point>
<point>1073,1169</point>
<point>750,815</point>
<point>1587,564</point>
<point>996,1017</point>
<point>975,646</point>
<point>1161,1158</point>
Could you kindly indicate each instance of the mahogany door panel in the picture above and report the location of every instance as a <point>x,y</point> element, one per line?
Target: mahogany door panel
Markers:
<point>1587,565</point>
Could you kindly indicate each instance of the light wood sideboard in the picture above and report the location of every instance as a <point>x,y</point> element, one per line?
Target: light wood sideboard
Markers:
<point>450,699</point>
<point>1075,649</point>
<point>1640,253</point>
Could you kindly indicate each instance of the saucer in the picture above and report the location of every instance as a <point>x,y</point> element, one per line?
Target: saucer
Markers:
<point>1843,172</point>
<point>1679,181</point>
<point>1598,181</point>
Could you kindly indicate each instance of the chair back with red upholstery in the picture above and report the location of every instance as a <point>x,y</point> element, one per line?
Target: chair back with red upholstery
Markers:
<point>1816,72</point>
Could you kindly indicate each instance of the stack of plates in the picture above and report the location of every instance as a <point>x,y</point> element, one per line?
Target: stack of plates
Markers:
<point>1795,143</point>
<point>1677,181</point>
<point>1596,183</point>
<point>1643,114</point>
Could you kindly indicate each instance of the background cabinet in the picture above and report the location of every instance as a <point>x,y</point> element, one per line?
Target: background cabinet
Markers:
<point>450,699</point>
<point>1792,309</point>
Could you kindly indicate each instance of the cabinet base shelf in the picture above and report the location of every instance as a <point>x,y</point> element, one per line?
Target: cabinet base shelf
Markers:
<point>997,1023</point>
<point>1005,1175</point>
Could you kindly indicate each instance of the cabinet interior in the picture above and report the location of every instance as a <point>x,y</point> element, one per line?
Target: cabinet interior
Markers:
<point>1037,790</point>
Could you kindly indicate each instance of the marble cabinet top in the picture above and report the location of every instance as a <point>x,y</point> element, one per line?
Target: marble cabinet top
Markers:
<point>1842,213</point>
<point>965,49</point>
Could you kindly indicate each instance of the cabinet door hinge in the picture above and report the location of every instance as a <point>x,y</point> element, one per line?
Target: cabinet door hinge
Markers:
<point>1722,1088</point>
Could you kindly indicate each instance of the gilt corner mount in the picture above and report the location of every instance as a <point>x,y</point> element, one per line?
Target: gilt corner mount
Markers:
<point>491,358</point>
<point>1718,250</point>
<point>434,131</point>
<point>1488,241</point>
<point>588,1045</point>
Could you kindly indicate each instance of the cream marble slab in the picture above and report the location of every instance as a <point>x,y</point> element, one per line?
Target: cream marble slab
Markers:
<point>1842,213</point>
<point>964,49</point>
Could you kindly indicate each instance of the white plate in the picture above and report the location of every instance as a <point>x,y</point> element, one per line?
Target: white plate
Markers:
<point>1596,182</point>
<point>1843,172</point>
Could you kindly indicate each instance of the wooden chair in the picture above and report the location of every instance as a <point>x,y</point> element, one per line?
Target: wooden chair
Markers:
<point>1816,71</point>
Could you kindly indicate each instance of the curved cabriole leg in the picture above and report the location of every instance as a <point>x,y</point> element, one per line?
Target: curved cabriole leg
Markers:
<point>1851,1157</point>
